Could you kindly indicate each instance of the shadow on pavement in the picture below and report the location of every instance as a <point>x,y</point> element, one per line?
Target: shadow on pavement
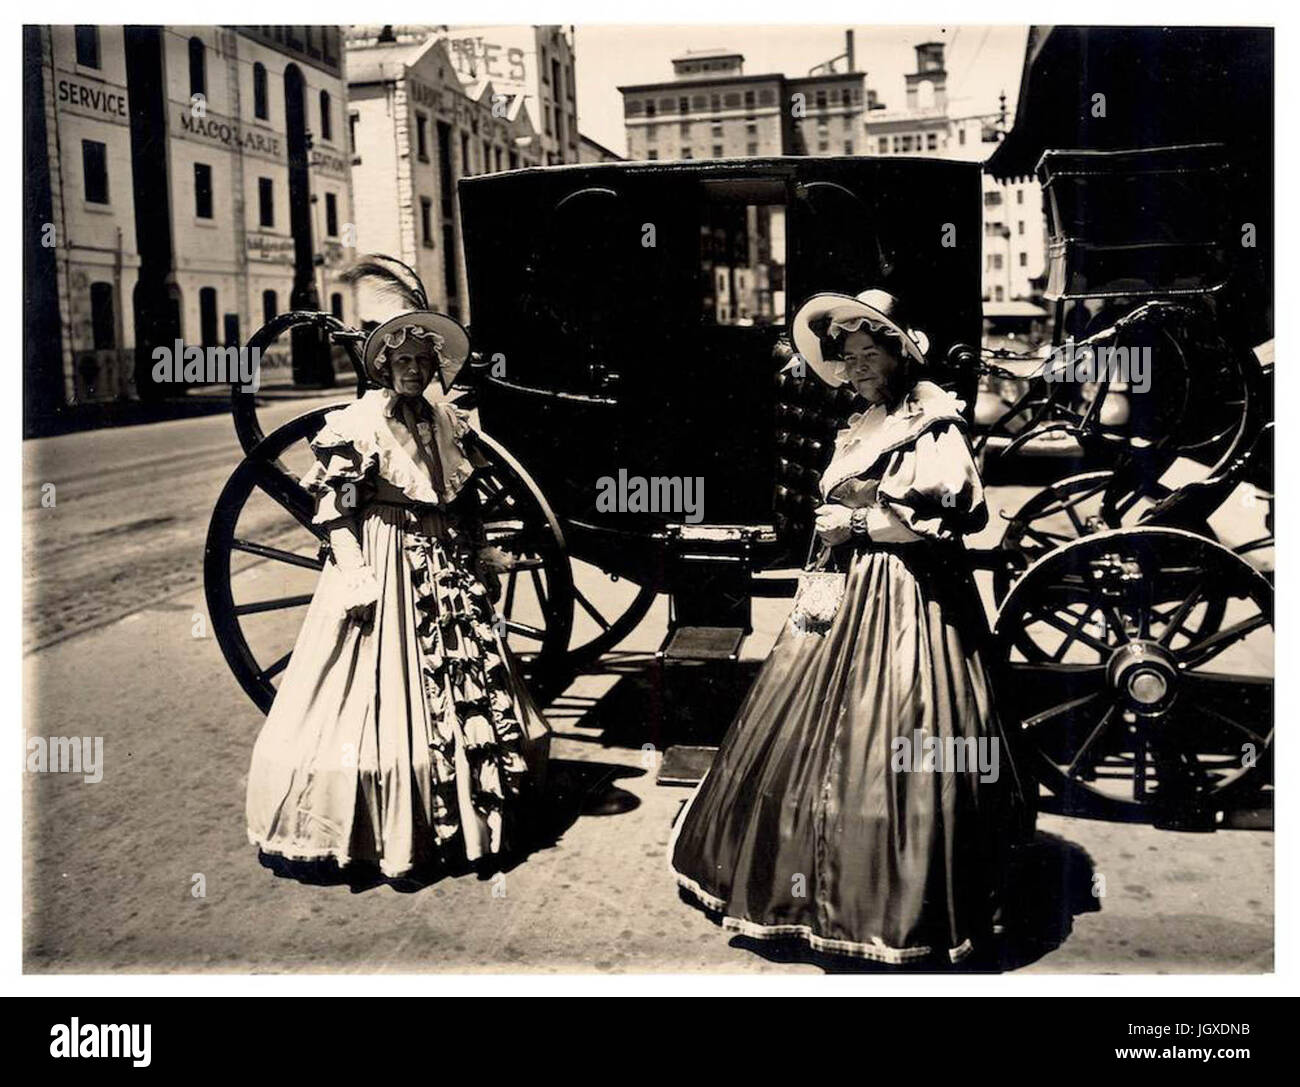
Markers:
<point>1049,884</point>
<point>573,789</point>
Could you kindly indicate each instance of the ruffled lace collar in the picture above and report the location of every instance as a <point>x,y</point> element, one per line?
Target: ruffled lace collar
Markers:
<point>373,427</point>
<point>870,434</point>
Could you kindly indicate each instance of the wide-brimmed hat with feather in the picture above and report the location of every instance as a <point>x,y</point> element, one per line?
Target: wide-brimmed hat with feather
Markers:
<point>389,276</point>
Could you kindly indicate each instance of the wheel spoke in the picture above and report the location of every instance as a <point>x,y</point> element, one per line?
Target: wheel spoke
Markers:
<point>527,631</point>
<point>1063,707</point>
<point>1093,737</point>
<point>277,554</point>
<point>590,608</point>
<point>1195,655</point>
<point>1175,623</point>
<point>276,604</point>
<point>1075,632</point>
<point>275,668</point>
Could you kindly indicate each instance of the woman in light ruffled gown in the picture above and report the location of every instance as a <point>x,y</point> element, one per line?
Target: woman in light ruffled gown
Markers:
<point>402,735</point>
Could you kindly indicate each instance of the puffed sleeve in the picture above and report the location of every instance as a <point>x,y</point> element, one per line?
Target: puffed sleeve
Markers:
<point>930,489</point>
<point>343,476</point>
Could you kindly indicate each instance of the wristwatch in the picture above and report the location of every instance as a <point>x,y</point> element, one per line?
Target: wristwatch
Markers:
<point>858,521</point>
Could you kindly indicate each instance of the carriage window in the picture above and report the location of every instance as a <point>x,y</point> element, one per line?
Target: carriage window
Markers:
<point>742,264</point>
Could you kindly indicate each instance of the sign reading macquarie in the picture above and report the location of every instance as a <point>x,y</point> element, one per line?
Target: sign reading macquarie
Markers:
<point>214,128</point>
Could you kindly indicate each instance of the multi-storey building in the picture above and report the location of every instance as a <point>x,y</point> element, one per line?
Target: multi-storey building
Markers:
<point>196,181</point>
<point>532,63</point>
<point>417,129</point>
<point>1015,227</point>
<point>711,109</point>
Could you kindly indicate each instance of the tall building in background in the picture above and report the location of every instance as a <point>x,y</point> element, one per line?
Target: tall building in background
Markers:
<point>1015,226</point>
<point>417,128</point>
<point>712,109</point>
<point>534,65</point>
<point>198,182</point>
<point>536,62</point>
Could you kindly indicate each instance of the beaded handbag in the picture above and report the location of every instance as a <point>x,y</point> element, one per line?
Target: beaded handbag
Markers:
<point>817,600</point>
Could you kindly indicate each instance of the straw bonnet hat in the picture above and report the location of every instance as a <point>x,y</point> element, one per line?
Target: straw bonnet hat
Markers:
<point>831,312</point>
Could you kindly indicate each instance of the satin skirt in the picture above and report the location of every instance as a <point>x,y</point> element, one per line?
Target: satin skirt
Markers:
<point>816,823</point>
<point>405,741</point>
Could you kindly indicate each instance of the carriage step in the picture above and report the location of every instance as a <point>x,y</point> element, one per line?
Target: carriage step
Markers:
<point>703,644</point>
<point>685,765</point>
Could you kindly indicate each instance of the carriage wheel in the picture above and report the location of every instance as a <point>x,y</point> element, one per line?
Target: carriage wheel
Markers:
<point>263,513</point>
<point>1069,510</point>
<point>1133,706</point>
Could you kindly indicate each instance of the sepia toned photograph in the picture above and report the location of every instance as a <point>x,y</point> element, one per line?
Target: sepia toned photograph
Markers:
<point>694,499</point>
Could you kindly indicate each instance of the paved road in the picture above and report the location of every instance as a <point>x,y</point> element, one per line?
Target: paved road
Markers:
<point>112,870</point>
<point>130,512</point>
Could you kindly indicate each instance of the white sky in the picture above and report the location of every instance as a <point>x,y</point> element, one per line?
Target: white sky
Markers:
<point>981,61</point>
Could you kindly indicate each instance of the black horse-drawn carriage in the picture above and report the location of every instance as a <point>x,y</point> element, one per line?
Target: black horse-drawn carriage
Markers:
<point>629,324</point>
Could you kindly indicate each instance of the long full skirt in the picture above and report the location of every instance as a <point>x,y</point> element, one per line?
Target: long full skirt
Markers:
<point>406,740</point>
<point>838,810</point>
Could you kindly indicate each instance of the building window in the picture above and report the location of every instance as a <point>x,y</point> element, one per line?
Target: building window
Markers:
<point>884,145</point>
<point>716,129</point>
<point>717,150</point>
<point>261,104</point>
<point>821,101</point>
<point>961,136</point>
<point>997,262</point>
<point>203,190</point>
<point>751,149</point>
<point>931,141</point>
<point>198,68</point>
<point>336,305</point>
<point>421,137</point>
<point>94,171</point>
<point>354,119</point>
<point>1020,226</point>
<point>992,199</point>
<point>823,146</point>
<point>998,294</point>
<point>487,157</point>
<point>326,117</point>
<point>230,329</point>
<point>331,215</point>
<point>649,107</point>
<point>497,158</point>
<point>686,153</point>
<point>426,221</point>
<point>446,180</point>
<point>651,132</point>
<point>1020,196</point>
<point>846,98</point>
<point>848,147</point>
<point>88,46</point>
<point>102,325</point>
<point>265,202</point>
<point>466,168</point>
<point>1024,260</point>
<point>684,129</point>
<point>683,105</point>
<point>208,316</point>
<point>270,306</point>
<point>651,155</point>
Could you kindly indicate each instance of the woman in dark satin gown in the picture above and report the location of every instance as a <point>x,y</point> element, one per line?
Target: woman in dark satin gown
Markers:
<point>864,797</point>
